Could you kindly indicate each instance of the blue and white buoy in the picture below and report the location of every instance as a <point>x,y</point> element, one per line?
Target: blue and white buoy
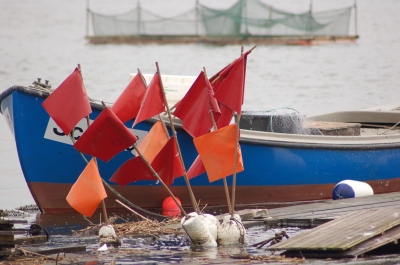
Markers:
<point>351,189</point>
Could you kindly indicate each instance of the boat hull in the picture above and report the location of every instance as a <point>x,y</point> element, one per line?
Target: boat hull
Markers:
<point>277,168</point>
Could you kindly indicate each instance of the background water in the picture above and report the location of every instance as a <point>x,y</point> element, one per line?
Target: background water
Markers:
<point>45,38</point>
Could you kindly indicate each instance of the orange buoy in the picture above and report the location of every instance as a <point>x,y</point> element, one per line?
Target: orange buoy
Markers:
<point>170,208</point>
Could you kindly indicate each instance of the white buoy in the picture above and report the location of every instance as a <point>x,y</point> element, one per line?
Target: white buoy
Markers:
<point>351,189</point>
<point>212,224</point>
<point>231,232</point>
<point>228,217</point>
<point>197,231</point>
<point>190,215</point>
<point>108,236</point>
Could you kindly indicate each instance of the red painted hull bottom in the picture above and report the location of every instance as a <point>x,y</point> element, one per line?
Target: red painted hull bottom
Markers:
<point>50,197</point>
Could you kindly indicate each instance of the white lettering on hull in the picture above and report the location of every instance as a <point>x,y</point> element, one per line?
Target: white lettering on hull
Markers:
<point>53,132</point>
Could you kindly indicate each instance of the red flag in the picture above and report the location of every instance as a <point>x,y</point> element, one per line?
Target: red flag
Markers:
<point>226,116</point>
<point>231,90</point>
<point>127,105</point>
<point>105,137</point>
<point>132,170</point>
<point>196,169</point>
<point>167,164</point>
<point>153,142</point>
<point>197,106</point>
<point>88,191</point>
<point>153,101</point>
<point>217,151</point>
<point>69,103</point>
<point>219,78</point>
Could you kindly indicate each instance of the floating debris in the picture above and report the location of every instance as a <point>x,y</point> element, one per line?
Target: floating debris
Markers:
<point>32,208</point>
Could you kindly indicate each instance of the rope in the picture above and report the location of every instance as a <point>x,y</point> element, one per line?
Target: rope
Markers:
<point>130,203</point>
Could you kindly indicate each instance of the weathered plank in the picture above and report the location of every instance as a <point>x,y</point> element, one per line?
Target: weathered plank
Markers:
<point>12,232</point>
<point>31,240</point>
<point>7,221</point>
<point>391,236</point>
<point>333,209</point>
<point>56,250</point>
<point>247,214</point>
<point>345,232</point>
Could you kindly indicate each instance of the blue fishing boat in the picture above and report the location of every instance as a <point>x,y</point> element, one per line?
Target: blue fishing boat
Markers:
<point>282,165</point>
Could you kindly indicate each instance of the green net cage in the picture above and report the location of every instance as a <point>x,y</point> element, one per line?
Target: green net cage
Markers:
<point>244,18</point>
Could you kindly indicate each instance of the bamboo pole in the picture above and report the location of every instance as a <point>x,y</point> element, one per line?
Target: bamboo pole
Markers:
<point>235,164</point>
<point>103,205</point>
<point>235,155</point>
<point>197,18</point>
<point>138,214</point>
<point>87,18</point>
<point>355,18</point>
<point>224,179</point>
<point>155,174</point>
<point>139,22</point>
<point>192,198</point>
<point>159,116</point>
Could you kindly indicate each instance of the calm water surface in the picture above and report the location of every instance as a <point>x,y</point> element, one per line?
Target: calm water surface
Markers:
<point>45,38</point>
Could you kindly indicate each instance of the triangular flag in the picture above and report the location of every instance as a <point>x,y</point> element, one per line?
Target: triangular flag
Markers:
<point>226,116</point>
<point>153,101</point>
<point>105,137</point>
<point>219,77</point>
<point>196,169</point>
<point>88,191</point>
<point>132,170</point>
<point>231,90</point>
<point>153,142</point>
<point>69,103</point>
<point>127,105</point>
<point>168,163</point>
<point>197,106</point>
<point>217,151</point>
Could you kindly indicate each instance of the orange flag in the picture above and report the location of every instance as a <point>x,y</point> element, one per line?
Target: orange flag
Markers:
<point>153,142</point>
<point>197,106</point>
<point>69,103</point>
<point>127,105</point>
<point>105,137</point>
<point>217,151</point>
<point>153,101</point>
<point>88,191</point>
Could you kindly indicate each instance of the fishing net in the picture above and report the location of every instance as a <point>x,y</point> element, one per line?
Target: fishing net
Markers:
<point>245,18</point>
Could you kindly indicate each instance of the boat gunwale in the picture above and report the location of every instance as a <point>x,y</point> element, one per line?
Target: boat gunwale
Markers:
<point>369,142</point>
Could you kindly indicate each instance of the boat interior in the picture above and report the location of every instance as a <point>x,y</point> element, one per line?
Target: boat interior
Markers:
<point>382,120</point>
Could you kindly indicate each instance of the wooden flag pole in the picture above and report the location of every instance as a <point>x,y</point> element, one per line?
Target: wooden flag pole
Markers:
<point>103,205</point>
<point>235,164</point>
<point>236,150</point>
<point>155,174</point>
<point>192,198</point>
<point>159,116</point>
<point>224,179</point>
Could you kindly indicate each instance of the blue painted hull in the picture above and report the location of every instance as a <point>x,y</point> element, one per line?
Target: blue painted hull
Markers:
<point>275,171</point>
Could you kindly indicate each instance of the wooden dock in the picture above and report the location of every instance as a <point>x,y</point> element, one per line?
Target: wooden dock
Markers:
<point>346,228</point>
<point>332,209</point>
